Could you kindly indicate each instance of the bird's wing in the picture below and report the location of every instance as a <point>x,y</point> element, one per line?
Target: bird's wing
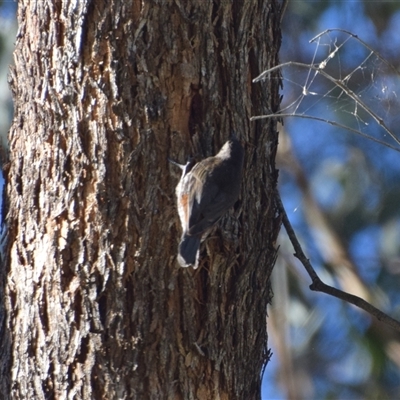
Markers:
<point>209,201</point>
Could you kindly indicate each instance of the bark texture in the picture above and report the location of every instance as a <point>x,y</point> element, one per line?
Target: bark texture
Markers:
<point>94,304</point>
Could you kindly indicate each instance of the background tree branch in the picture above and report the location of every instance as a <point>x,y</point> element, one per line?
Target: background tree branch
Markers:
<point>319,286</point>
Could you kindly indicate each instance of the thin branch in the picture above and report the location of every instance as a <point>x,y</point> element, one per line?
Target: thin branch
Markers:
<point>339,83</point>
<point>319,286</point>
<point>283,8</point>
<point>333,123</point>
<point>384,61</point>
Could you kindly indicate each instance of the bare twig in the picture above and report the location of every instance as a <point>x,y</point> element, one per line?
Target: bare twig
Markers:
<point>319,286</point>
<point>339,83</point>
<point>330,122</point>
<point>366,45</point>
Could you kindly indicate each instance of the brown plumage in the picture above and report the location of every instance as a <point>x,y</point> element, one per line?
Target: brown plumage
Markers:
<point>205,192</point>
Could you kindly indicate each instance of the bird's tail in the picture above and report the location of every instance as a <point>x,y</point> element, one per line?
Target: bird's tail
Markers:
<point>188,253</point>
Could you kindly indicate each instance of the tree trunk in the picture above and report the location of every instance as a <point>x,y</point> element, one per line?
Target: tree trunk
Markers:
<point>94,304</point>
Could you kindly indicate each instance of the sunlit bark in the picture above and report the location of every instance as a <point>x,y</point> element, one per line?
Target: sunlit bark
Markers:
<point>96,306</point>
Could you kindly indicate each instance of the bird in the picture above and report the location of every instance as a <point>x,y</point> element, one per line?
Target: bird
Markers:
<point>205,192</point>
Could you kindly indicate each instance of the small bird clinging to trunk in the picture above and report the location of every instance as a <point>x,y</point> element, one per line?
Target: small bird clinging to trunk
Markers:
<point>205,192</point>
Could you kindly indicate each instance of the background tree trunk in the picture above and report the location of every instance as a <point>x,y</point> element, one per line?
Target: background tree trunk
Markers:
<point>94,303</point>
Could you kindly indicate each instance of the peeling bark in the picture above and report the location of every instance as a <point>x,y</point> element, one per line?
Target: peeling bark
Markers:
<point>94,304</point>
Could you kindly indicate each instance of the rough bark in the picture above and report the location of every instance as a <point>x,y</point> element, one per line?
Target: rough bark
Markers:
<point>94,305</point>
